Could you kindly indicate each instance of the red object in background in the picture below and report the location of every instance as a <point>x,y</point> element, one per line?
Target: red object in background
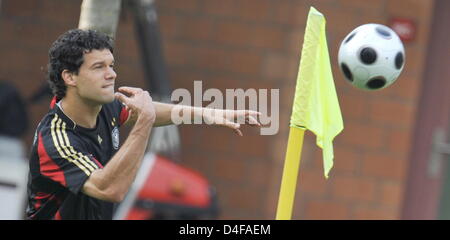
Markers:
<point>405,28</point>
<point>171,191</point>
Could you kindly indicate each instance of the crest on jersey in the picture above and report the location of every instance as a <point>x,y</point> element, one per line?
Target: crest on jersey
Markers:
<point>115,138</point>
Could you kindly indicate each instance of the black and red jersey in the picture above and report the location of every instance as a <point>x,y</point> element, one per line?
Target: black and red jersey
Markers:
<point>62,158</point>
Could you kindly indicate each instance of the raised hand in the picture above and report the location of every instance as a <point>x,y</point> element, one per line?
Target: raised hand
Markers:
<point>138,101</point>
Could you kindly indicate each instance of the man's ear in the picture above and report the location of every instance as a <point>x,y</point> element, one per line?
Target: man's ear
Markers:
<point>68,78</point>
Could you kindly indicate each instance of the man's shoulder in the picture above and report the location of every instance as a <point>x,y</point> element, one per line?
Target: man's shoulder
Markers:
<point>55,125</point>
<point>46,121</point>
<point>113,109</point>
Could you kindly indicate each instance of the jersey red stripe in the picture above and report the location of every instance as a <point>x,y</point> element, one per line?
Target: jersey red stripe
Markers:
<point>48,167</point>
<point>123,116</point>
<point>98,163</point>
<point>53,102</point>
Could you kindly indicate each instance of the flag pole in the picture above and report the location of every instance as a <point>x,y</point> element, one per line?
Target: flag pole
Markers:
<point>315,107</point>
<point>290,173</point>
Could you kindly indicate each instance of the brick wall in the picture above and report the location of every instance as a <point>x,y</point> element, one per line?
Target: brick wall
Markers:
<point>255,44</point>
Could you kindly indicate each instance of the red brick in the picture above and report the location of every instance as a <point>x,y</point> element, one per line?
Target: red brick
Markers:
<point>184,78</point>
<point>362,7</point>
<point>338,26</point>
<point>317,163</point>
<point>170,26</point>
<point>254,10</point>
<point>326,210</point>
<point>219,7</point>
<point>185,6</point>
<point>178,53</point>
<point>231,81</point>
<point>384,166</point>
<point>295,42</point>
<point>399,142</point>
<point>391,113</point>
<point>415,57</point>
<point>312,182</point>
<point>26,8</point>
<point>343,86</point>
<point>212,59</point>
<point>258,172</point>
<point>362,135</point>
<point>249,10</point>
<point>249,35</point>
<point>374,213</point>
<point>283,127</point>
<point>217,139</point>
<point>197,161</point>
<point>353,188</point>
<point>354,107</point>
<point>311,153</point>
<point>196,29</point>
<point>290,12</point>
<point>230,169</point>
<point>415,8</point>
<point>129,75</point>
<point>346,160</point>
<point>14,56</point>
<point>126,46</point>
<point>54,13</point>
<point>391,194</point>
<point>406,88</point>
<point>248,63</point>
<point>241,197</point>
<point>28,35</point>
<point>252,145</point>
<point>276,67</point>
<point>188,134</point>
<point>373,17</point>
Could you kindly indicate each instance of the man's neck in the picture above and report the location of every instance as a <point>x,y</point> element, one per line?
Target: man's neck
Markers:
<point>82,112</point>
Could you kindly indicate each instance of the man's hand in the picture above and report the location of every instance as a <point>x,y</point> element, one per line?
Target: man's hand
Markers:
<point>228,118</point>
<point>139,103</point>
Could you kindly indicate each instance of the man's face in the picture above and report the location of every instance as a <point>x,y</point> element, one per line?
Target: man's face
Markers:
<point>96,77</point>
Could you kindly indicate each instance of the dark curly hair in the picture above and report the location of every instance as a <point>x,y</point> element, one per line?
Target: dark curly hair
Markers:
<point>67,53</point>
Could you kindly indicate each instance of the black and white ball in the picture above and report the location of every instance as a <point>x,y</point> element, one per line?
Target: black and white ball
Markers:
<point>371,57</point>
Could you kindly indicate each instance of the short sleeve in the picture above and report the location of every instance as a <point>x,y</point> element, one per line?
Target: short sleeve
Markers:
<point>62,157</point>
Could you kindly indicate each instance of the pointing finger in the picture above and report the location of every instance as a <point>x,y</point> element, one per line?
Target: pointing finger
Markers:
<point>238,132</point>
<point>234,126</point>
<point>130,90</point>
<point>252,113</point>
<point>122,98</point>
<point>253,122</point>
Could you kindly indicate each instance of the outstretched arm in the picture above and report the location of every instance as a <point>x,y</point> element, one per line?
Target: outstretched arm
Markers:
<point>221,117</point>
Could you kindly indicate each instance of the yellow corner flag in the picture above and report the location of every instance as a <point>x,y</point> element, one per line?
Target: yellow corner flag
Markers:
<point>315,107</point>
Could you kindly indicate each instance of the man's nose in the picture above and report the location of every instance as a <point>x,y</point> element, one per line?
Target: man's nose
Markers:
<point>111,74</point>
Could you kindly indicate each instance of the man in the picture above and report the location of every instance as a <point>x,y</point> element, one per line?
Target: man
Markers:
<point>77,170</point>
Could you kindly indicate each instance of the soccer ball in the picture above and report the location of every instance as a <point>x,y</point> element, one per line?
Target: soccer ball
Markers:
<point>371,57</point>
